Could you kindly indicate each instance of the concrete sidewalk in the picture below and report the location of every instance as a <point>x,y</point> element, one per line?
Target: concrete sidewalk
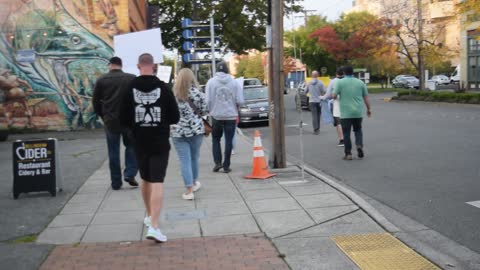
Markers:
<point>298,215</point>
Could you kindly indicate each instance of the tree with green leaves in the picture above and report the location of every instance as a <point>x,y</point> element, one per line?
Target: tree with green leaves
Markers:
<point>243,22</point>
<point>306,48</point>
<point>255,68</point>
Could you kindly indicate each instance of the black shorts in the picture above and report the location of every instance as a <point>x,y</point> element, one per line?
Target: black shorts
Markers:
<point>153,162</point>
<point>336,121</point>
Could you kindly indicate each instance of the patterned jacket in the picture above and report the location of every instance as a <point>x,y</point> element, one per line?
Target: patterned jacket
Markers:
<point>190,124</point>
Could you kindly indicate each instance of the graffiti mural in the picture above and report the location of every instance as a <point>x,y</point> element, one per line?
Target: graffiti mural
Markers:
<point>51,52</point>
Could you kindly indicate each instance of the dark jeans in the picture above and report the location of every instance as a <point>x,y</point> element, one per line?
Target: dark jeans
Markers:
<point>316,114</point>
<point>219,127</point>
<point>347,124</point>
<point>113,143</point>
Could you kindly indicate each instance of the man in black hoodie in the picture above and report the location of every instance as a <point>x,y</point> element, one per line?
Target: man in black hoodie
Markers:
<point>107,99</point>
<point>149,109</point>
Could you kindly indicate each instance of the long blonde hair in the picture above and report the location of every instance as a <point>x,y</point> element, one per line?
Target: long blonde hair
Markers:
<point>184,82</point>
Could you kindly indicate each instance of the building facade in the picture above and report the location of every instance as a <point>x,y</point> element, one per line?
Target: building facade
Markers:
<point>51,52</point>
<point>441,23</point>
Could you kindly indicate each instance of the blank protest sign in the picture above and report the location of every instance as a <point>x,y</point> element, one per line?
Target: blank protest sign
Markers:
<point>130,46</point>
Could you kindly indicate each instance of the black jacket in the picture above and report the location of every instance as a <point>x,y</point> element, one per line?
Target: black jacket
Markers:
<point>108,95</point>
<point>148,110</point>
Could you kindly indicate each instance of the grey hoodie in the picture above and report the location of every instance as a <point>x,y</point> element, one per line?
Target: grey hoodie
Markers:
<point>315,88</point>
<point>223,95</point>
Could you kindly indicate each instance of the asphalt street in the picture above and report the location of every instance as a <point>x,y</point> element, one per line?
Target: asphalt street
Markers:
<point>422,159</point>
<point>81,153</point>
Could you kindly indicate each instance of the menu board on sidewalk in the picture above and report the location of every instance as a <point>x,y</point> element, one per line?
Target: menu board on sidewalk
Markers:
<point>34,166</point>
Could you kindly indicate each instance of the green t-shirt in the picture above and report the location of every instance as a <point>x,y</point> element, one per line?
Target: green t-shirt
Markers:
<point>351,91</point>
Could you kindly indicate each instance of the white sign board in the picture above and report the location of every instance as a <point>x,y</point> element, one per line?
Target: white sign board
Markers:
<point>130,46</point>
<point>164,73</point>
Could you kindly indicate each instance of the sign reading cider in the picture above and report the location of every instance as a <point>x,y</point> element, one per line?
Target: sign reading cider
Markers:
<point>34,166</point>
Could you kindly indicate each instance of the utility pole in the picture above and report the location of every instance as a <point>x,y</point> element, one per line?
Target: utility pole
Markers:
<point>420,44</point>
<point>276,84</point>
<point>212,43</point>
<point>305,13</point>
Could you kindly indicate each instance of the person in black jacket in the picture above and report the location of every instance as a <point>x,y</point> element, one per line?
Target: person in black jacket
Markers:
<point>107,98</point>
<point>148,111</point>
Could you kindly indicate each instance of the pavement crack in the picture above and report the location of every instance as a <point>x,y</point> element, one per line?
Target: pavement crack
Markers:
<point>316,224</point>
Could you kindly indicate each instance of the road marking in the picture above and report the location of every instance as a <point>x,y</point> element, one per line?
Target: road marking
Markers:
<point>474,203</point>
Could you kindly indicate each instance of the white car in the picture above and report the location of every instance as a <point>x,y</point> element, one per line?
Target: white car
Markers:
<point>441,79</point>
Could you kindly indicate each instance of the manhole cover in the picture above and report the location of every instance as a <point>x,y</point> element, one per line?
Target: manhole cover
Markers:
<point>175,215</point>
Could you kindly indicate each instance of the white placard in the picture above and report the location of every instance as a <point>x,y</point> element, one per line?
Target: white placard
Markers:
<point>130,46</point>
<point>164,73</point>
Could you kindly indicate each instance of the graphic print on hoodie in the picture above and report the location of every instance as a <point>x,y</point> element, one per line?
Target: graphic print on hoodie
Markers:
<point>147,110</point>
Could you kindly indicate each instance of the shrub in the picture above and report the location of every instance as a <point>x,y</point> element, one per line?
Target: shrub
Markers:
<point>470,98</point>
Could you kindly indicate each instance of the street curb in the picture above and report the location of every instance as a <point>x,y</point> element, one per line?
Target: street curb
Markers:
<point>364,205</point>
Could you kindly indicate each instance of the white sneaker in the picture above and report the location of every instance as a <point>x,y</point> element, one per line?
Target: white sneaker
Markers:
<point>147,221</point>
<point>156,235</point>
<point>188,196</point>
<point>233,152</point>
<point>197,186</point>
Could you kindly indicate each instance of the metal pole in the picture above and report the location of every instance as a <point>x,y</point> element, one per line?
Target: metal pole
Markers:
<point>420,45</point>
<point>277,109</point>
<point>212,41</point>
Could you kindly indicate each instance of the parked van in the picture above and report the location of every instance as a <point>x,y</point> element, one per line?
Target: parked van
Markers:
<point>455,78</point>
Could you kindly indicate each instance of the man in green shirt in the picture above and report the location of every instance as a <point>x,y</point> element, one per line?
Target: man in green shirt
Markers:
<point>353,94</point>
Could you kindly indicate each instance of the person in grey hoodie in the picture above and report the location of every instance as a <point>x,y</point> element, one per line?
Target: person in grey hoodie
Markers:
<point>224,95</point>
<point>315,88</point>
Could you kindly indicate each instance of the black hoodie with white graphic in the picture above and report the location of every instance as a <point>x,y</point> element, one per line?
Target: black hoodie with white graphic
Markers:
<point>149,109</point>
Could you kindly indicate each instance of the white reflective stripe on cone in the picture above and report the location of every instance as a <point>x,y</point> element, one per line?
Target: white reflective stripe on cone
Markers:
<point>258,153</point>
<point>257,142</point>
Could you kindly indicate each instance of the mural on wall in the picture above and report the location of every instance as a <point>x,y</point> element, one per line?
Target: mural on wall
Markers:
<point>51,52</point>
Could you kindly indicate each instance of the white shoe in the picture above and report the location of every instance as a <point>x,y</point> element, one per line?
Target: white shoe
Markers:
<point>156,235</point>
<point>147,221</point>
<point>188,196</point>
<point>197,186</point>
<point>233,152</point>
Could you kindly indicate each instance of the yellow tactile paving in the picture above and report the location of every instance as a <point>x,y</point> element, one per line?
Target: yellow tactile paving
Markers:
<point>381,251</point>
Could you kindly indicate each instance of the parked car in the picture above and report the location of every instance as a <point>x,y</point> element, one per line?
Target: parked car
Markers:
<point>441,79</point>
<point>405,81</point>
<point>301,93</point>
<point>255,108</point>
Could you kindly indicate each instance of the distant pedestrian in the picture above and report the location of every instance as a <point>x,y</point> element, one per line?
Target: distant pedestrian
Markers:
<point>108,93</point>
<point>335,105</point>
<point>315,89</point>
<point>353,94</point>
<point>149,109</point>
<point>224,96</point>
<point>187,135</point>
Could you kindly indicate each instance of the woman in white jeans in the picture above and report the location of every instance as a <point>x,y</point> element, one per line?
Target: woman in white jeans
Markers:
<point>187,134</point>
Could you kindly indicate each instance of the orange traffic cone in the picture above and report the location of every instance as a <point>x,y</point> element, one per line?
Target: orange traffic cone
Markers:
<point>260,167</point>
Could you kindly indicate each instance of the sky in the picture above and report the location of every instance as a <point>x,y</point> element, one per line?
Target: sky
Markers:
<point>330,8</point>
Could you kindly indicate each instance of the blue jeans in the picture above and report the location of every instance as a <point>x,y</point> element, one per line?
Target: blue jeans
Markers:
<point>188,150</point>
<point>113,143</point>
<point>219,127</point>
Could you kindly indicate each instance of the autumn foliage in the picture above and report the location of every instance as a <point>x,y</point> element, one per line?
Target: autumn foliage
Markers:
<point>368,40</point>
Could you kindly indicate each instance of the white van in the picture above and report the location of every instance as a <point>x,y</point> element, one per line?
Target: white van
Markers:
<point>455,78</point>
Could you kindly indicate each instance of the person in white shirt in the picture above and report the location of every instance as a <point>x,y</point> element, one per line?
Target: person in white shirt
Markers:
<point>336,105</point>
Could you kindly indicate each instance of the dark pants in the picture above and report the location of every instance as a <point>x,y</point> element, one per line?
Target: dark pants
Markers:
<point>113,143</point>
<point>316,110</point>
<point>347,124</point>
<point>219,127</point>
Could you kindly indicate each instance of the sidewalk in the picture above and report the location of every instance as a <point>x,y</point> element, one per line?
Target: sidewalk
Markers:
<point>233,223</point>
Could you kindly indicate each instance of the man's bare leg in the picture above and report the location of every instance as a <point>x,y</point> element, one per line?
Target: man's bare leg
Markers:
<point>339,132</point>
<point>146,195</point>
<point>156,202</point>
